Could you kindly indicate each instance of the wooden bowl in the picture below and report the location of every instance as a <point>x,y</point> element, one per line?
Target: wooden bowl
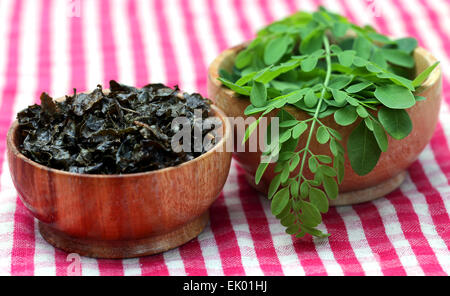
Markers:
<point>390,171</point>
<point>121,216</point>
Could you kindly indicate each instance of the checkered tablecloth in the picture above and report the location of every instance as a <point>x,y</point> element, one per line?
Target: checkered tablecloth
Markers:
<point>56,45</point>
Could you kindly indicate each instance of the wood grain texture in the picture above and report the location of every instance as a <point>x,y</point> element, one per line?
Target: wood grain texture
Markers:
<point>392,164</point>
<point>166,207</point>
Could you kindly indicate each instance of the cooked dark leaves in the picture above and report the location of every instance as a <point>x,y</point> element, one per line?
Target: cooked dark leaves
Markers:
<point>125,130</point>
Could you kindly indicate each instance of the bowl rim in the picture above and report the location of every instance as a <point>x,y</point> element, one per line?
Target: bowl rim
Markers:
<point>12,148</point>
<point>213,71</point>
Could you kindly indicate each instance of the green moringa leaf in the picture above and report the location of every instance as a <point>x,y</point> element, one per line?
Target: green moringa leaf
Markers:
<point>379,38</point>
<point>275,50</point>
<point>324,159</point>
<point>397,123</point>
<point>310,63</point>
<point>340,29</point>
<point>280,201</point>
<point>312,42</point>
<point>318,198</point>
<point>331,187</point>
<point>363,47</point>
<point>369,123</point>
<point>339,82</point>
<point>327,171</point>
<point>346,116</point>
<point>294,162</point>
<point>285,136</point>
<point>310,215</point>
<point>293,229</point>
<point>346,57</point>
<point>360,62</point>
<point>362,112</point>
<point>363,150</point>
<point>245,79</point>
<point>407,44</point>
<point>379,60</point>
<point>288,123</point>
<point>299,129</point>
<point>274,185</point>
<point>315,232</point>
<point>336,48</point>
<point>258,95</point>
<point>295,188</point>
<point>311,99</point>
<point>380,136</point>
<point>238,89</point>
<point>339,96</point>
<point>313,164</point>
<point>243,59</point>
<point>322,135</point>
<point>249,131</point>
<point>424,75</point>
<point>399,58</point>
<point>398,80</point>
<point>358,87</point>
<point>260,171</point>
<point>395,97</point>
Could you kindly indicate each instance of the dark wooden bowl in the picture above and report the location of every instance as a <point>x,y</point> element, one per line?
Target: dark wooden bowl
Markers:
<point>121,216</point>
<point>390,171</point>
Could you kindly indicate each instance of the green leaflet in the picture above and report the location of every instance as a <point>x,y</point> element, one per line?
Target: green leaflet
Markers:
<point>274,185</point>
<point>280,201</point>
<point>311,99</point>
<point>398,57</point>
<point>239,89</point>
<point>340,29</point>
<point>310,215</point>
<point>407,44</point>
<point>363,47</point>
<point>363,150</point>
<point>362,112</point>
<point>322,135</point>
<point>346,116</point>
<point>424,75</point>
<point>379,60</point>
<point>395,97</point>
<point>369,123</point>
<point>266,75</point>
<point>258,95</point>
<point>244,58</point>
<point>260,171</point>
<point>379,38</point>
<point>380,136</point>
<point>331,187</point>
<point>299,129</point>
<point>346,57</point>
<point>294,162</point>
<point>249,131</point>
<point>309,63</point>
<point>312,42</point>
<point>360,62</point>
<point>339,82</point>
<point>275,50</point>
<point>318,198</point>
<point>397,123</point>
<point>358,87</point>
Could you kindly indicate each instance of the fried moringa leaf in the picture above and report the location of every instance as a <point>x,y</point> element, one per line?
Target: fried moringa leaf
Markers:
<point>127,130</point>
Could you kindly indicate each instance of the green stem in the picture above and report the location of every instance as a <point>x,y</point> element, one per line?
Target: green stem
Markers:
<point>319,105</point>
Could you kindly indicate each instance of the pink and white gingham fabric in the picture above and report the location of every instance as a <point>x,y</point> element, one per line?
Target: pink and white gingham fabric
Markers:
<point>56,45</point>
